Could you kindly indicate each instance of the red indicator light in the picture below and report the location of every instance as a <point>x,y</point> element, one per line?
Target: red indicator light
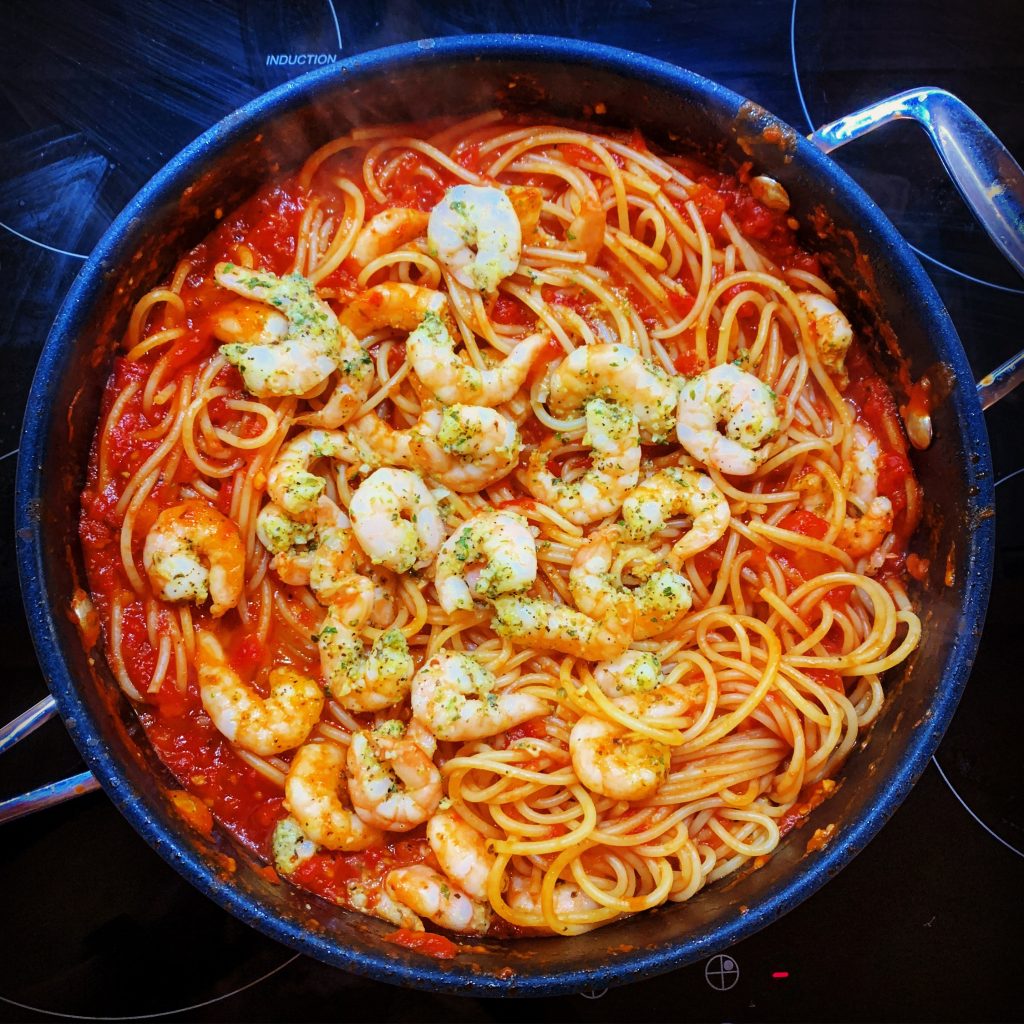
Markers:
<point>780,974</point>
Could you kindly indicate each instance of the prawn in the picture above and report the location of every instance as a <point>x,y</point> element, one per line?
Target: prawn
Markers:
<point>429,894</point>
<point>461,851</point>
<point>569,902</point>
<point>361,680</point>
<point>503,541</point>
<point>614,762</point>
<point>387,231</point>
<point>294,346</point>
<point>291,485</point>
<point>739,399</point>
<point>290,846</point>
<point>193,552</point>
<point>620,374</point>
<point>660,602</point>
<point>556,627</point>
<point>634,683</point>
<point>393,304</point>
<point>475,233</point>
<point>350,391</point>
<point>333,564</point>
<point>464,447</point>
<point>316,796</point>
<point>377,509</point>
<point>831,332</point>
<point>865,534</point>
<point>615,445</point>
<point>393,782</point>
<point>669,492</point>
<point>865,452</point>
<point>454,697</point>
<point>528,202</point>
<point>657,604</point>
<point>290,542</point>
<point>374,900</point>
<point>261,725</point>
<point>586,230</point>
<point>630,673</point>
<point>431,351</point>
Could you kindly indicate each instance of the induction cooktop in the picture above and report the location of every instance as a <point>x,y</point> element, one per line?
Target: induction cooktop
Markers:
<point>95,95</point>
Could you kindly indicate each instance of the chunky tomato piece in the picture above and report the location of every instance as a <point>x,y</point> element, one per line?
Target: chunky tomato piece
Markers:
<point>893,470</point>
<point>396,356</point>
<point>534,728</point>
<point>138,656</point>
<point>803,565</point>
<point>511,312</point>
<point>754,219</point>
<point>829,679</point>
<point>688,363</point>
<point>409,188</point>
<point>748,310</point>
<point>247,654</point>
<point>517,503</point>
<point>872,396</point>
<point>574,154</point>
<point>807,524</point>
<point>189,348</point>
<point>551,351</point>
<point>800,260</point>
<point>680,303</point>
<point>576,299</point>
<point>169,699</point>
<point>637,141</point>
<point>710,205</point>
<point>227,489</point>
<point>427,943</point>
<point>469,157</point>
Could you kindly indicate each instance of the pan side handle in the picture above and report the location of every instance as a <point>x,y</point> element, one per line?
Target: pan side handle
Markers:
<point>46,796</point>
<point>982,168</point>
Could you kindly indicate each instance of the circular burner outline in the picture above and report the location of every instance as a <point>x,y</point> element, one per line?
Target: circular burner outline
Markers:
<point>813,127</point>
<point>42,245</point>
<point>963,803</point>
<point>935,760</point>
<point>161,1013</point>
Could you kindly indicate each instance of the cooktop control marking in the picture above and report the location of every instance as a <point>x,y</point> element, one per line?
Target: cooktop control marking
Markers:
<point>722,972</point>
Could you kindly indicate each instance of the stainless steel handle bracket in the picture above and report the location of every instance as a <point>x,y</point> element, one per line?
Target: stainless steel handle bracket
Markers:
<point>28,721</point>
<point>46,796</point>
<point>982,168</point>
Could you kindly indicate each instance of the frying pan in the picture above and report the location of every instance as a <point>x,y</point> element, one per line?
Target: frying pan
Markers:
<point>884,291</point>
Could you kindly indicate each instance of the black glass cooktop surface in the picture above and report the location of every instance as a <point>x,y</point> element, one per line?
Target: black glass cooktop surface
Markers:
<point>95,96</point>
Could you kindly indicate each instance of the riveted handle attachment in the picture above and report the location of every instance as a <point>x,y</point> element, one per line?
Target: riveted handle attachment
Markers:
<point>982,168</point>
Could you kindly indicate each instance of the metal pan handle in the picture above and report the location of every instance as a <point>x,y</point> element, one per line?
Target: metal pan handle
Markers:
<point>986,175</point>
<point>46,796</point>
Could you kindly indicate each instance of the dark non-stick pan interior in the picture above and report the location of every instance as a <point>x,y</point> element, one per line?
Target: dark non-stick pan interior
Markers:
<point>883,289</point>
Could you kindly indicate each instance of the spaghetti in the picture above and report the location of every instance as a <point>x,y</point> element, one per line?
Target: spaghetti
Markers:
<point>498,525</point>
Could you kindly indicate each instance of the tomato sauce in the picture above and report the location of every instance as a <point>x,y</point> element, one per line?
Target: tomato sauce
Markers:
<point>715,193</point>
